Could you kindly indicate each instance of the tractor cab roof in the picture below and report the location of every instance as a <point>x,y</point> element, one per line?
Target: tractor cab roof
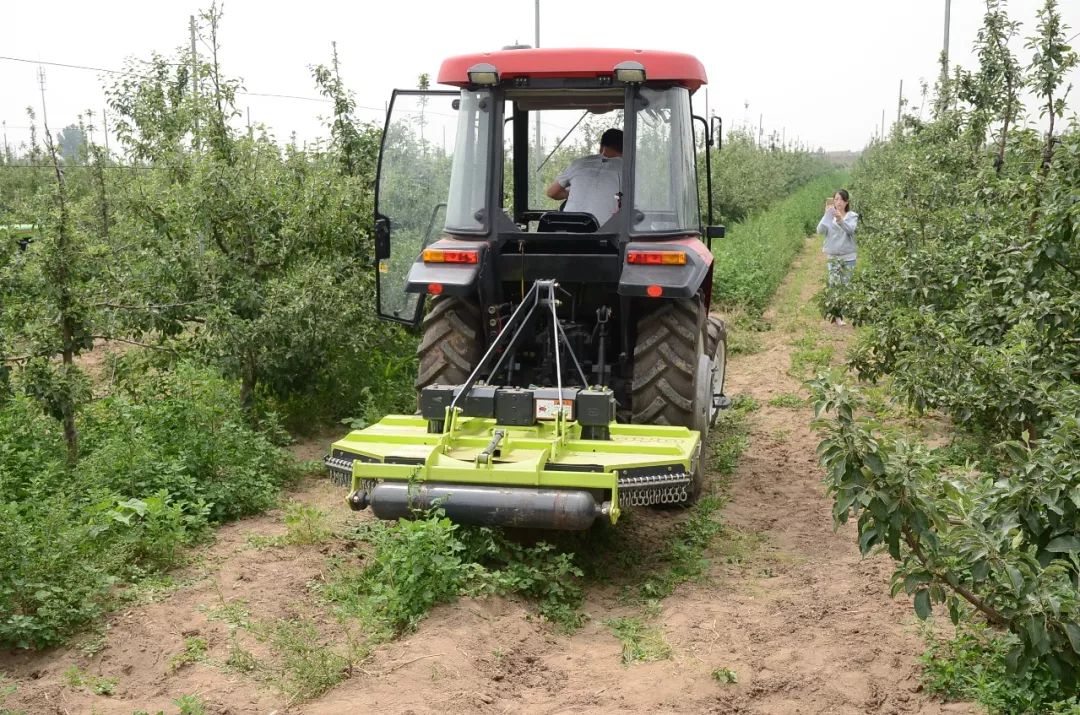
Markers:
<point>562,63</point>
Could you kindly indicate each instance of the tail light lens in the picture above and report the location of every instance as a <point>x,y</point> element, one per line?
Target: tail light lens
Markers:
<point>656,258</point>
<point>441,255</point>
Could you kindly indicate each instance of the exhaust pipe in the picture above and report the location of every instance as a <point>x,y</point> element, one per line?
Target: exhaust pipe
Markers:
<point>522,507</point>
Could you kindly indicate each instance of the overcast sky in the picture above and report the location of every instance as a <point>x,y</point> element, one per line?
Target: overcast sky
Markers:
<point>819,71</point>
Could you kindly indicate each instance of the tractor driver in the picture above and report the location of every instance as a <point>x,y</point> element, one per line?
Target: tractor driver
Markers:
<point>593,184</point>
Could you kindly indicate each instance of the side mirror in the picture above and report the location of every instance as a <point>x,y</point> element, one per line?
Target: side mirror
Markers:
<point>382,238</point>
<point>712,232</point>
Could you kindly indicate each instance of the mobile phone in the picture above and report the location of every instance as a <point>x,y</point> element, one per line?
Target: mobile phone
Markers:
<point>830,202</point>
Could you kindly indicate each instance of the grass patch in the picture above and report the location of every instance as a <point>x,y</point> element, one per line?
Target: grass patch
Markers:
<point>683,557</point>
<point>728,438</point>
<point>7,689</point>
<point>235,612</point>
<point>195,649</point>
<point>641,643</point>
<point>744,332</point>
<point>787,400</point>
<point>416,565</point>
<point>306,666</point>
<point>810,355</point>
<point>75,677</point>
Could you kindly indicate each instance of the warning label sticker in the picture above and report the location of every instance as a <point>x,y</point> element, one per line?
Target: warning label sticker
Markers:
<point>548,409</point>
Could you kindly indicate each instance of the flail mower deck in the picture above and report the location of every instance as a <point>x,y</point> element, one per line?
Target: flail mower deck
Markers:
<point>487,470</point>
<point>551,457</point>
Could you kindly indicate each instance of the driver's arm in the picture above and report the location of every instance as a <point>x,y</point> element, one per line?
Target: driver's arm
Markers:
<point>557,191</point>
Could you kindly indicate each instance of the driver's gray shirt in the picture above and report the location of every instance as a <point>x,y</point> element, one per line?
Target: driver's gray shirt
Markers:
<point>593,182</point>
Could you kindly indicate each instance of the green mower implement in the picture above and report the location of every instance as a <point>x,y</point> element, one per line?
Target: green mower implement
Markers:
<point>551,458</point>
<point>540,476</point>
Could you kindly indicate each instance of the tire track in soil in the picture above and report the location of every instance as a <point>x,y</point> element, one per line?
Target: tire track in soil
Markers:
<point>806,624</point>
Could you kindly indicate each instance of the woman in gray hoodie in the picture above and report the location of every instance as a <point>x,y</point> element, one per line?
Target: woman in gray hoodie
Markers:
<point>838,226</point>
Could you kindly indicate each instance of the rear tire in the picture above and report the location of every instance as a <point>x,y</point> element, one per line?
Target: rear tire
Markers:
<point>670,344</point>
<point>671,379</point>
<point>450,347</point>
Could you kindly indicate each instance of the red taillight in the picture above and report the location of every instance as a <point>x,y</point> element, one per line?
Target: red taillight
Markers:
<point>654,291</point>
<point>441,255</point>
<point>434,288</point>
<point>656,258</point>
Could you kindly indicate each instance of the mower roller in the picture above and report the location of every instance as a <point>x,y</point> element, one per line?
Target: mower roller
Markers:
<point>568,366</point>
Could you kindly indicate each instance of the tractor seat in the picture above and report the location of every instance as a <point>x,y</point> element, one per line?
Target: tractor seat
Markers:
<point>567,222</point>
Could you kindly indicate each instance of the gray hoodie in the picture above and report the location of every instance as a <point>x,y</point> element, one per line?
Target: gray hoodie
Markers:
<point>839,235</point>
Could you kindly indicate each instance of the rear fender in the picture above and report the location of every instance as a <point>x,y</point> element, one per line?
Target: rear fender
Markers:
<point>453,278</point>
<point>676,281</point>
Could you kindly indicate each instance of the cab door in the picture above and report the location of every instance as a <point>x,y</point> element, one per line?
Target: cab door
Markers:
<point>411,192</point>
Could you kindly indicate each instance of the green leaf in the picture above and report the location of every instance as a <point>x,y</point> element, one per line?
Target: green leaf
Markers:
<point>1016,578</point>
<point>873,461</point>
<point>1068,544</point>
<point>1072,630</point>
<point>922,604</point>
<point>867,539</point>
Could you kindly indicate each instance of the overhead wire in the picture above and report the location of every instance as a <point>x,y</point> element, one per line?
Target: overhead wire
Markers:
<point>244,93</point>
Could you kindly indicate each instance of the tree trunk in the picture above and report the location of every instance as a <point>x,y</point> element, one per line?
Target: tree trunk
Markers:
<point>248,380</point>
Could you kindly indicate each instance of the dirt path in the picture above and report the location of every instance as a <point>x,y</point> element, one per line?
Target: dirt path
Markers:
<point>804,622</point>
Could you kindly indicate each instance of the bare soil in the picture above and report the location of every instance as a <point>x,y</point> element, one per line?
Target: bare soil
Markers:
<point>805,622</point>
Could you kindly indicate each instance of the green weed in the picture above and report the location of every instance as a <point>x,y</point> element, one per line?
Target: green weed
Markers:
<point>418,564</point>
<point>235,612</point>
<point>6,689</point>
<point>239,658</point>
<point>725,675</point>
<point>307,667</point>
<point>195,649</point>
<point>74,677</point>
<point>306,525</point>
<point>104,686</point>
<point>810,356</point>
<point>788,400</point>
<point>640,643</point>
<point>190,705</point>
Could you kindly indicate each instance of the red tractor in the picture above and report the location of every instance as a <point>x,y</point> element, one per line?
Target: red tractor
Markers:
<point>516,294</point>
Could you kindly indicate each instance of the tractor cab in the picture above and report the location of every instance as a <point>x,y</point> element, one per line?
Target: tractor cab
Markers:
<point>463,172</point>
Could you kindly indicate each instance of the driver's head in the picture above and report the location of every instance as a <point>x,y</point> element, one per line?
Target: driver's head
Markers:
<point>611,142</point>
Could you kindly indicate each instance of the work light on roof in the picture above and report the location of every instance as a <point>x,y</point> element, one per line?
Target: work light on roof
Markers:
<point>630,72</point>
<point>483,73</point>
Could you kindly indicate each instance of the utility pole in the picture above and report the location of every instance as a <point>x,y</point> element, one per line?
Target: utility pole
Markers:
<point>760,127</point>
<point>105,127</point>
<point>899,101</point>
<point>882,125</point>
<point>194,77</point>
<point>945,67</point>
<point>6,153</point>
<point>44,112</point>
<point>535,153</point>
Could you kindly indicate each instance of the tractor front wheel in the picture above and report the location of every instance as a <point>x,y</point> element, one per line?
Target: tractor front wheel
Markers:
<point>716,350</point>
